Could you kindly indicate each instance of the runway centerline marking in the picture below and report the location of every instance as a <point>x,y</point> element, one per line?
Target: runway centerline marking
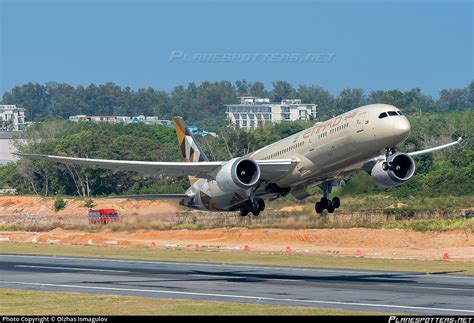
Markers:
<point>428,287</point>
<point>73,268</point>
<point>239,297</point>
<point>244,277</point>
<point>262,267</point>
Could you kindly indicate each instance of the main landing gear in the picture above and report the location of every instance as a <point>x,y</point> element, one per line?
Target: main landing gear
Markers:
<point>325,203</point>
<point>255,207</point>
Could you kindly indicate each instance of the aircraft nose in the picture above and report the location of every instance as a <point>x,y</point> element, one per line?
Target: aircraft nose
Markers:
<point>401,127</point>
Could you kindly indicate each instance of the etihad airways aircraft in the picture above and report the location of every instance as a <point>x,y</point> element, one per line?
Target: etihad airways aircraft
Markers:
<point>361,139</point>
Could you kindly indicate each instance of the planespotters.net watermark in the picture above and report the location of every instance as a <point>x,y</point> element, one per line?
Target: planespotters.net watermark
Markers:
<point>419,319</point>
<point>179,56</point>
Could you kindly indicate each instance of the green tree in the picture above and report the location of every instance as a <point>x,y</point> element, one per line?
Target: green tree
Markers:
<point>350,99</point>
<point>258,89</point>
<point>317,95</point>
<point>282,90</point>
<point>453,99</point>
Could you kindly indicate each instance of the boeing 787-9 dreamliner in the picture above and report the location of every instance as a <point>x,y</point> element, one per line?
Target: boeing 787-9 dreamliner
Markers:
<point>361,139</point>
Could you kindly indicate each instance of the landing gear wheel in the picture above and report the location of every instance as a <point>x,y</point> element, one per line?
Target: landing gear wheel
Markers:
<point>246,208</point>
<point>244,211</point>
<point>387,164</point>
<point>324,202</point>
<point>256,207</point>
<point>319,207</point>
<point>336,202</point>
<point>260,205</point>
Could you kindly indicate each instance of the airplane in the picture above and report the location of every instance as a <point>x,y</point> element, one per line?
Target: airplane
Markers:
<point>363,139</point>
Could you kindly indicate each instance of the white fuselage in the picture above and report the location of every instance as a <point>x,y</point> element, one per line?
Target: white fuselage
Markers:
<point>329,150</point>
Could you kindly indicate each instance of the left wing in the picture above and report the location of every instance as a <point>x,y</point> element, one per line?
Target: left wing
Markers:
<point>434,149</point>
<point>269,169</point>
<point>371,162</point>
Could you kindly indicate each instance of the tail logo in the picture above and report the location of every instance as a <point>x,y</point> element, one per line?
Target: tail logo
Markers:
<point>189,147</point>
<point>191,151</point>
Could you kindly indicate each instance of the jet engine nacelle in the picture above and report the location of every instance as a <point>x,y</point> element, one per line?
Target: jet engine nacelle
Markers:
<point>399,169</point>
<point>238,174</point>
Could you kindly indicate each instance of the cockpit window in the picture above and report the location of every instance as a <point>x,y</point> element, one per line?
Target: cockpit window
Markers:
<point>392,113</point>
<point>400,113</point>
<point>383,115</point>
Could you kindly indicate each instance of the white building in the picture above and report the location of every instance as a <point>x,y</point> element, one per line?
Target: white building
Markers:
<point>253,112</point>
<point>151,120</point>
<point>110,119</point>
<point>12,118</point>
<point>7,149</point>
<point>121,119</point>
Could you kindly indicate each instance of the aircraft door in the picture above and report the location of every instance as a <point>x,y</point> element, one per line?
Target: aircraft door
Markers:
<point>361,121</point>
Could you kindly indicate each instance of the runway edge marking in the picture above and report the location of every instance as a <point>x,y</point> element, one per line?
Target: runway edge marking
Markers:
<point>73,268</point>
<point>309,269</point>
<point>238,296</point>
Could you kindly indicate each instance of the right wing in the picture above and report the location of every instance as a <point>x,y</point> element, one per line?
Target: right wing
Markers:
<point>200,170</point>
<point>273,169</point>
<point>270,169</point>
<point>152,196</point>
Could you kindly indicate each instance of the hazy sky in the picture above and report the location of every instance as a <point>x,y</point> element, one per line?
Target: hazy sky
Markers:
<point>335,44</point>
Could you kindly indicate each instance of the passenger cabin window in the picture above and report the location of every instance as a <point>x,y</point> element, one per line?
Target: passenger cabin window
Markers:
<point>383,115</point>
<point>392,113</point>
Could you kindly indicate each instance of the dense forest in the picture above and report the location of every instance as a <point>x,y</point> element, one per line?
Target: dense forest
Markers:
<point>447,173</point>
<point>433,122</point>
<point>203,104</point>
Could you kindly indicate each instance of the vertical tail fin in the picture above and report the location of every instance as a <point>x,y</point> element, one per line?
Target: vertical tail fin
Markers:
<point>188,144</point>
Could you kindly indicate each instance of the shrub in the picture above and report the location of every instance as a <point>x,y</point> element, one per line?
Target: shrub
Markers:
<point>89,203</point>
<point>59,203</point>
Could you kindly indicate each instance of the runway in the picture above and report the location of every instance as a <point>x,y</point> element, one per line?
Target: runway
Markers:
<point>360,290</point>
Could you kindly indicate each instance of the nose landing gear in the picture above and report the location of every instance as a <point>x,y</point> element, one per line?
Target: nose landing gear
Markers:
<point>325,203</point>
<point>386,166</point>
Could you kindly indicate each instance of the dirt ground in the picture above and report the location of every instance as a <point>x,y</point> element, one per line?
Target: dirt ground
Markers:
<point>34,205</point>
<point>374,243</point>
<point>390,243</point>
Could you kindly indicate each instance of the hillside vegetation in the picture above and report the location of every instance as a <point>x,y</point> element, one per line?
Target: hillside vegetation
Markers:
<point>433,122</point>
<point>203,104</point>
<point>446,173</point>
